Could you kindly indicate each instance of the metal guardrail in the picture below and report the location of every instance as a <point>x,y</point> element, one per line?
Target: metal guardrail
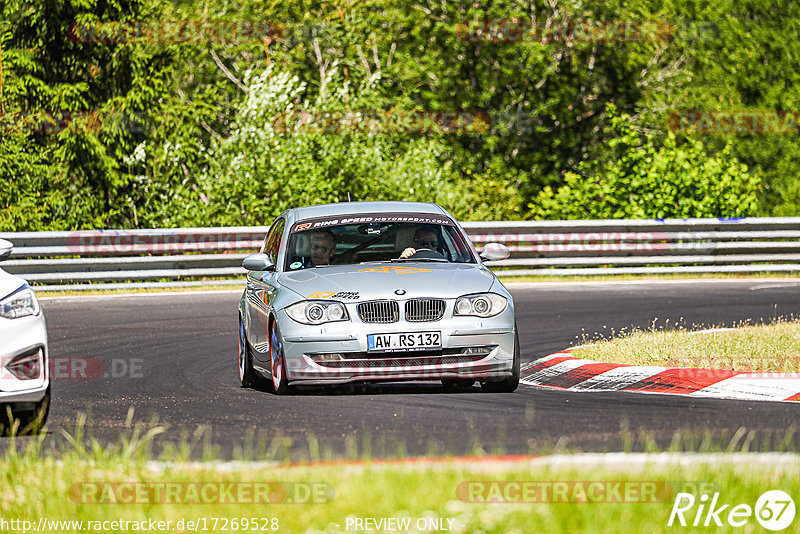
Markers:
<point>76,260</point>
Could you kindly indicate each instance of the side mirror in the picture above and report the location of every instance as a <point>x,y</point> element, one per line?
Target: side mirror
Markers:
<point>5,249</point>
<point>495,252</point>
<point>258,262</point>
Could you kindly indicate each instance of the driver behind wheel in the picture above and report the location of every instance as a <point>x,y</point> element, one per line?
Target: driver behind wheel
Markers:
<point>323,247</point>
<point>424,238</point>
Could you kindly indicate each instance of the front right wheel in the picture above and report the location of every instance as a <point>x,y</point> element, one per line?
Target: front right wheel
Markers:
<point>247,376</point>
<point>280,384</point>
<point>511,383</point>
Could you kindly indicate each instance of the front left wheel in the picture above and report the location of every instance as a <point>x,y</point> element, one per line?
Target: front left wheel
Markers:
<point>454,384</point>
<point>28,422</point>
<point>511,383</point>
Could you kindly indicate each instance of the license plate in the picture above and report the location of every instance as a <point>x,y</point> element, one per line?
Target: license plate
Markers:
<point>404,342</point>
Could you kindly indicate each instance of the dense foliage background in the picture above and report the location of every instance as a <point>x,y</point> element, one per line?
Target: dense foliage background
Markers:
<point>170,133</point>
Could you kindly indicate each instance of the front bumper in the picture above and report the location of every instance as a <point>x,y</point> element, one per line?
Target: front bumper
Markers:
<point>23,336</point>
<point>472,348</point>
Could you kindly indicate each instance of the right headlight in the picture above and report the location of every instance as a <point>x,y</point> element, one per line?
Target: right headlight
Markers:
<point>480,305</point>
<point>317,312</point>
<point>20,304</point>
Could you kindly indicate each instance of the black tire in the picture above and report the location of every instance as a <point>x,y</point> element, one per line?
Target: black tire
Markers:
<point>30,422</point>
<point>511,383</point>
<point>247,375</point>
<point>280,384</point>
<point>451,384</point>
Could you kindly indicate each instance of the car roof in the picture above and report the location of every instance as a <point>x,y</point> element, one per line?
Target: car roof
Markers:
<point>347,208</point>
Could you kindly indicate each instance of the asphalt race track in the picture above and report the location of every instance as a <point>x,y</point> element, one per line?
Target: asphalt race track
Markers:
<point>173,356</point>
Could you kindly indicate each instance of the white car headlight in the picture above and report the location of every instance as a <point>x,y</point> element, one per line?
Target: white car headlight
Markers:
<point>317,312</point>
<point>480,305</point>
<point>20,304</point>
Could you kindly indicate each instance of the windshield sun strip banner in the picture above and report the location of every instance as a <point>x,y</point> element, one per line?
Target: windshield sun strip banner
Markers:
<point>367,218</point>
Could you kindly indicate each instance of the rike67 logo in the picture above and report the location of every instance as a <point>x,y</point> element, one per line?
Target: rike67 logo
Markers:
<point>774,510</point>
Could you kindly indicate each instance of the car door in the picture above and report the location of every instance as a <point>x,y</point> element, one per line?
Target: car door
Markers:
<point>261,290</point>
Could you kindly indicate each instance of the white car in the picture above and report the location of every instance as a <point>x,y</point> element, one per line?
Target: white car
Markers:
<point>24,377</point>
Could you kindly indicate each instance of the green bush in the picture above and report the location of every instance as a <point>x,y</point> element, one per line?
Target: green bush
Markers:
<point>638,179</point>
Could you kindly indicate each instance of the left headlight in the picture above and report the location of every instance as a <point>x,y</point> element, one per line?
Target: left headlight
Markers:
<point>317,312</point>
<point>481,305</point>
<point>20,304</point>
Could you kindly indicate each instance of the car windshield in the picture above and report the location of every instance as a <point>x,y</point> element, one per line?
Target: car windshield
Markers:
<point>376,238</point>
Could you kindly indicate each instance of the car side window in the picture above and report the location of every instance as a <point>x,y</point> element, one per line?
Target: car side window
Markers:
<point>273,244</point>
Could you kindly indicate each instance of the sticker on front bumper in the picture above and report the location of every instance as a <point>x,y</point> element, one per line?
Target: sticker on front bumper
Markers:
<point>404,342</point>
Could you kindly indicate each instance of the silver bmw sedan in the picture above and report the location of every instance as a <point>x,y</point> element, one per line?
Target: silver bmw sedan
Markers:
<point>375,292</point>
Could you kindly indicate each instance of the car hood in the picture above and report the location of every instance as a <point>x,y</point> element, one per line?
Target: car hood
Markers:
<point>9,283</point>
<point>369,281</point>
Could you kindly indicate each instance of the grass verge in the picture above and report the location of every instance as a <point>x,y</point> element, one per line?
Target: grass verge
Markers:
<point>102,487</point>
<point>768,348</point>
<point>97,486</point>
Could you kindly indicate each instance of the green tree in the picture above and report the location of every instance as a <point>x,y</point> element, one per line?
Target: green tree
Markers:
<point>52,74</point>
<point>547,99</point>
<point>290,148</point>
<point>29,199</point>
